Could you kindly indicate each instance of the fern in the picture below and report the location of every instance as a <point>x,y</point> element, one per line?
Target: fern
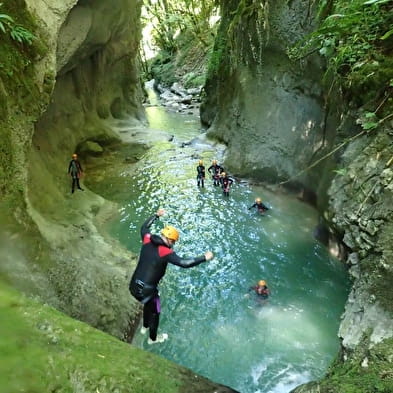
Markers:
<point>16,32</point>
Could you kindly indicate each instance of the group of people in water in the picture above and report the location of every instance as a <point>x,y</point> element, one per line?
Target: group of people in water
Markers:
<point>219,176</point>
<point>157,251</point>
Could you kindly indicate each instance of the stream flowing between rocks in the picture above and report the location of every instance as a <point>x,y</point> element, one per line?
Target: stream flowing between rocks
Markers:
<point>217,327</point>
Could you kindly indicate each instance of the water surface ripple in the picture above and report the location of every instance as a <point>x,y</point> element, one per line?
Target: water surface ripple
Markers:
<point>215,326</point>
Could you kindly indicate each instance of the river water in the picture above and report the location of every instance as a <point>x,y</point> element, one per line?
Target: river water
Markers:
<point>217,327</point>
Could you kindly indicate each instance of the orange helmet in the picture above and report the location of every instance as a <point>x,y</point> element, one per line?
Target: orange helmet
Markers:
<point>171,233</point>
<point>261,283</point>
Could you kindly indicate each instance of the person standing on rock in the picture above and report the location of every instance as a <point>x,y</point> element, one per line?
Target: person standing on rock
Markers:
<point>75,170</point>
<point>201,174</point>
<point>156,253</point>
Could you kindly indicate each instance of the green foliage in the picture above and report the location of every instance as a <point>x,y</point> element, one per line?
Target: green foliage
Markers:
<point>43,350</point>
<point>170,18</point>
<point>366,371</point>
<point>15,31</point>
<point>20,34</point>
<point>235,44</point>
<point>4,21</point>
<point>341,172</point>
<point>18,91</point>
<point>357,41</point>
<point>217,55</point>
<point>163,68</point>
<point>194,80</point>
<point>183,34</point>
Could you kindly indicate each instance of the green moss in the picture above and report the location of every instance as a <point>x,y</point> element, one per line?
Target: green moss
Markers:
<point>367,371</point>
<point>16,67</point>
<point>163,68</point>
<point>6,167</point>
<point>188,65</point>
<point>194,80</point>
<point>216,59</point>
<point>20,96</point>
<point>42,350</point>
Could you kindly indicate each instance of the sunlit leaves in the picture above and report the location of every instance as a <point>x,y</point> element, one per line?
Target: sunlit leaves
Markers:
<point>377,2</point>
<point>355,39</point>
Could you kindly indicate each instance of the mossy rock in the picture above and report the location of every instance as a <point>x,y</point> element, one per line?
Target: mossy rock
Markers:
<point>90,148</point>
<point>43,350</point>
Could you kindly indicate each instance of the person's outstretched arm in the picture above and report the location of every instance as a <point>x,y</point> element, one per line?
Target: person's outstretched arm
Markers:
<point>145,228</point>
<point>174,259</point>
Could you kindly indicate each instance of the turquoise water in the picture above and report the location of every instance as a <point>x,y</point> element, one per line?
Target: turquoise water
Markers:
<point>215,326</point>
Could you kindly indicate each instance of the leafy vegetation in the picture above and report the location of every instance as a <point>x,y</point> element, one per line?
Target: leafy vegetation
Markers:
<point>16,32</point>
<point>170,18</point>
<point>182,33</point>
<point>18,50</point>
<point>356,38</point>
<point>368,371</point>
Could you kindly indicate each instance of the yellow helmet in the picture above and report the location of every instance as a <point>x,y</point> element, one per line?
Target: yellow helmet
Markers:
<point>261,283</point>
<point>200,162</point>
<point>258,200</point>
<point>74,155</point>
<point>170,233</point>
<point>223,174</point>
<point>214,162</point>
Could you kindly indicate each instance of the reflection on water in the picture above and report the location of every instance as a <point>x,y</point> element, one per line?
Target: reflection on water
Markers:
<point>215,326</point>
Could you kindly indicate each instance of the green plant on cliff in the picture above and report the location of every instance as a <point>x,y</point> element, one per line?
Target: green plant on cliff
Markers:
<point>19,94</point>
<point>229,49</point>
<point>15,31</point>
<point>367,371</point>
<point>356,38</point>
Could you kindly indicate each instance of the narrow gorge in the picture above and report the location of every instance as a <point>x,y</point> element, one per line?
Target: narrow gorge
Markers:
<point>78,88</point>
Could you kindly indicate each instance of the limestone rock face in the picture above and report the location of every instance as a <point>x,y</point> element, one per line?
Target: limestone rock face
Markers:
<point>267,109</point>
<point>90,71</point>
<point>361,208</point>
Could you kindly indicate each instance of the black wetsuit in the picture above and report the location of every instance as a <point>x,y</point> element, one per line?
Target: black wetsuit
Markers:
<point>225,184</point>
<point>153,261</point>
<point>75,169</point>
<point>215,170</point>
<point>261,291</point>
<point>201,175</point>
<point>260,206</point>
